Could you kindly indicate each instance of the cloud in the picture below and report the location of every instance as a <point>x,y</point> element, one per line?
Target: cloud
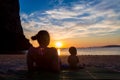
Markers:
<point>80,19</point>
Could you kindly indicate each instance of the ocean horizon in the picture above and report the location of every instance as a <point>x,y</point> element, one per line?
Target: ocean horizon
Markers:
<point>93,51</point>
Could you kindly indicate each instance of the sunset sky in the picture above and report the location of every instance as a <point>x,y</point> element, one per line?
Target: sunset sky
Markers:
<point>79,23</point>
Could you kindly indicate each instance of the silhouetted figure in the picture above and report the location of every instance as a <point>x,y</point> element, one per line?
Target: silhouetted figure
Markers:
<point>73,59</point>
<point>42,58</point>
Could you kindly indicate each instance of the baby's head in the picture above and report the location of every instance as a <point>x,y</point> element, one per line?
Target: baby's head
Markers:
<point>73,51</point>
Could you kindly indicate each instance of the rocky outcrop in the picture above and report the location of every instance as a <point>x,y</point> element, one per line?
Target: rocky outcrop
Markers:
<point>11,32</point>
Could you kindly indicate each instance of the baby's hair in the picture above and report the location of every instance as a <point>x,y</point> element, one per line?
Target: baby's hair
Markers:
<point>73,50</point>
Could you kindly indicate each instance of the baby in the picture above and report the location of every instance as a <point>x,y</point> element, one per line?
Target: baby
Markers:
<point>73,59</point>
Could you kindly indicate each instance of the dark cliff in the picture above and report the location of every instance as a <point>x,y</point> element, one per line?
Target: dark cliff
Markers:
<point>11,32</point>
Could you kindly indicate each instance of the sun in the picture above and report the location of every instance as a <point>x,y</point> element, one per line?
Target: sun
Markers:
<point>58,44</point>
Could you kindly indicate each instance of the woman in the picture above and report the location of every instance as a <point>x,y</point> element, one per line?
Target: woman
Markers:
<point>42,58</point>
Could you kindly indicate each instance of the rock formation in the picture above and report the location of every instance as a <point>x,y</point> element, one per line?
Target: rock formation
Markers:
<point>11,32</point>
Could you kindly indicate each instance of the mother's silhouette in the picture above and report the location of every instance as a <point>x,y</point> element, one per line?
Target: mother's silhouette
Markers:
<point>42,58</point>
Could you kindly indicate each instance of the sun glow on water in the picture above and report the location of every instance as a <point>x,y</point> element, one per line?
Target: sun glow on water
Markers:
<point>58,50</point>
<point>58,45</point>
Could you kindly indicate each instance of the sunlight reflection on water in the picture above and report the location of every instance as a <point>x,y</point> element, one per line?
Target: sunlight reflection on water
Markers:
<point>58,50</point>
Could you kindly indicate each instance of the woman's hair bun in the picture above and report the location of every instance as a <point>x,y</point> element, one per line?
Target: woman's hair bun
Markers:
<point>33,37</point>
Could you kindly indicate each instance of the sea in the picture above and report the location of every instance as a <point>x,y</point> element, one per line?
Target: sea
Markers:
<point>93,51</point>
<point>89,51</point>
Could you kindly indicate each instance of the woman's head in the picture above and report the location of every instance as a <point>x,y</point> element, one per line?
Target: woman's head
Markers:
<point>73,50</point>
<point>42,37</point>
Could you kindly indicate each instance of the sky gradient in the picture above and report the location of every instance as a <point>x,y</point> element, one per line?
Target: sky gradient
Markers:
<point>79,23</point>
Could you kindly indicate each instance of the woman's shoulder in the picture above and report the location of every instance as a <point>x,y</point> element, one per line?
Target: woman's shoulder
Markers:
<point>52,50</point>
<point>33,49</point>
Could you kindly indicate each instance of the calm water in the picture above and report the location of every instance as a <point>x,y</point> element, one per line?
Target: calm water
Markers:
<point>94,51</point>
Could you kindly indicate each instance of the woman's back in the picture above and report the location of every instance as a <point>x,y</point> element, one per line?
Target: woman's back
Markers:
<point>44,59</point>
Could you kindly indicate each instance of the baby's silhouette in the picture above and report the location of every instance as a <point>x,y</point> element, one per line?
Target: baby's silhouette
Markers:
<point>73,59</point>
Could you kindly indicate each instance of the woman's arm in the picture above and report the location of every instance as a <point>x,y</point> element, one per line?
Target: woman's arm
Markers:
<point>30,65</point>
<point>56,61</point>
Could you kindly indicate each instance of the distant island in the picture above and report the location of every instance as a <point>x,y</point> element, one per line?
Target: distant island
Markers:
<point>111,46</point>
<point>106,46</point>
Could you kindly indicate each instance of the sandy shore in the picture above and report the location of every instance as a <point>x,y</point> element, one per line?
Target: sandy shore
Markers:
<point>18,61</point>
<point>106,61</point>
<point>13,67</point>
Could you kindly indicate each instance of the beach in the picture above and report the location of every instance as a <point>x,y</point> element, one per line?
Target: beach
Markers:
<point>105,61</point>
<point>18,61</point>
<point>12,64</point>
